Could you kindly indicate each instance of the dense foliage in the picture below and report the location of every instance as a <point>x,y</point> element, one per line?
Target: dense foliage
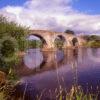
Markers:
<point>92,40</point>
<point>69,32</point>
<point>12,40</point>
<point>93,44</point>
<point>59,43</point>
<point>91,37</point>
<point>13,30</point>
<point>35,44</point>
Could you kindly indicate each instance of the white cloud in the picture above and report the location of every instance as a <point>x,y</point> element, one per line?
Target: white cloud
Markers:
<point>57,15</point>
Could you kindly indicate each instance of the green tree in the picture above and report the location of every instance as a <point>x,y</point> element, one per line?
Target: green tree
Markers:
<point>12,29</point>
<point>12,40</point>
<point>35,44</point>
<point>59,43</point>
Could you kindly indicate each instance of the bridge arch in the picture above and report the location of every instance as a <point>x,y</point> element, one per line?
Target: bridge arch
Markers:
<point>74,41</point>
<point>59,40</point>
<point>41,38</point>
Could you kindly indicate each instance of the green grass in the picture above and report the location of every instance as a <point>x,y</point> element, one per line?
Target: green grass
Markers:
<point>76,93</point>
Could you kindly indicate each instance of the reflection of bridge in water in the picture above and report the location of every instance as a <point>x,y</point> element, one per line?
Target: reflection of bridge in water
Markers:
<point>49,60</point>
<point>65,68</point>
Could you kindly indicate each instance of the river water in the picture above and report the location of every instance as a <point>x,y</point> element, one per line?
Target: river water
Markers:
<point>43,73</point>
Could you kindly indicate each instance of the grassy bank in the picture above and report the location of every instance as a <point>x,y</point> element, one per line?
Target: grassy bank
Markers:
<point>76,93</point>
<point>93,44</point>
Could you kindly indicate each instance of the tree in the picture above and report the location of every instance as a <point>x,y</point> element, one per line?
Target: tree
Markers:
<point>12,40</point>
<point>59,43</point>
<point>69,32</point>
<point>35,44</point>
<point>14,30</point>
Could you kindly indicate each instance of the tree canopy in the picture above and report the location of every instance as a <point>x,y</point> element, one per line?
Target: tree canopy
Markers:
<point>69,32</point>
<point>14,30</point>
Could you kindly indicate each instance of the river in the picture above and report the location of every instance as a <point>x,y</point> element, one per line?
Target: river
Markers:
<point>45,72</point>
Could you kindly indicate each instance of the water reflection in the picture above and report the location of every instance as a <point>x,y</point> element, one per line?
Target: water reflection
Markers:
<point>50,69</point>
<point>59,55</point>
<point>33,58</point>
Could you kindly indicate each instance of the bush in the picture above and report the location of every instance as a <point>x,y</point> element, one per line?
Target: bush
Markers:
<point>59,43</point>
<point>93,44</point>
<point>35,44</point>
<point>11,29</point>
<point>12,40</point>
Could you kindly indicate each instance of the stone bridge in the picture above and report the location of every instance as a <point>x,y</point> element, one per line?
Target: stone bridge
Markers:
<point>48,38</point>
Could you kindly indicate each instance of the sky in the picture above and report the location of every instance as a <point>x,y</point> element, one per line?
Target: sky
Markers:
<point>81,16</point>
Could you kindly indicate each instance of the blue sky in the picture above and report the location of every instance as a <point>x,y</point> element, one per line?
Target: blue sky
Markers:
<point>83,16</point>
<point>86,6</point>
<point>4,3</point>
